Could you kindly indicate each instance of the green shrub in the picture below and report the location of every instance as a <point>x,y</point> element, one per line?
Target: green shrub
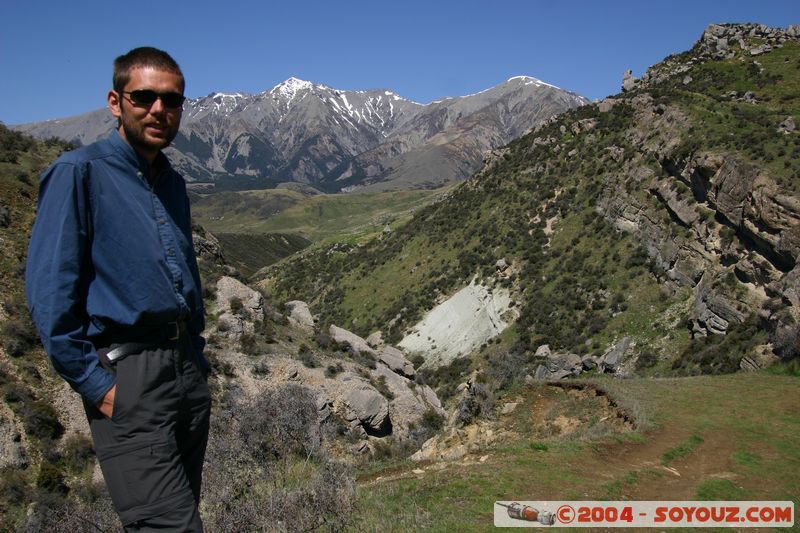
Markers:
<point>51,478</point>
<point>78,452</point>
<point>332,370</point>
<point>307,357</point>
<point>432,420</point>
<point>249,344</point>
<point>14,488</point>
<point>236,305</point>
<point>260,369</point>
<point>17,332</point>
<point>41,421</point>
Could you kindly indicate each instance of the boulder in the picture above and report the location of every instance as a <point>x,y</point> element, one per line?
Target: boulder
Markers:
<point>543,351</point>
<point>396,361</point>
<point>629,82</point>
<point>606,105</point>
<point>408,403</point>
<point>356,343</point>
<point>501,264</point>
<point>237,307</point>
<point>589,362</point>
<point>300,315</point>
<point>615,356</point>
<point>787,126</point>
<point>369,407</point>
<point>559,366</point>
<point>375,339</point>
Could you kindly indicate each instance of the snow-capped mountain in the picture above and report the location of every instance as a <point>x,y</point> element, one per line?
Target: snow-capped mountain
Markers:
<point>334,139</point>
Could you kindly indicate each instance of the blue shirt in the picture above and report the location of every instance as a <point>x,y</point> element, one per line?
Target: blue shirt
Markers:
<point>109,251</point>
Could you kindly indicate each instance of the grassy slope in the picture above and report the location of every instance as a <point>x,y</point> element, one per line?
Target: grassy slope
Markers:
<point>316,218</point>
<point>744,443</point>
<point>248,252</point>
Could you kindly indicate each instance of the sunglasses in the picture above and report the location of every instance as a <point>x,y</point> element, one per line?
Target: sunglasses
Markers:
<point>147,97</point>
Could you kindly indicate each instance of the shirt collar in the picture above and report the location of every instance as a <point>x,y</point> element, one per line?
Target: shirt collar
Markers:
<point>160,164</point>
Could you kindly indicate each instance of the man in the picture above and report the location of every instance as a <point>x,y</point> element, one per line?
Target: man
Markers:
<point>114,290</point>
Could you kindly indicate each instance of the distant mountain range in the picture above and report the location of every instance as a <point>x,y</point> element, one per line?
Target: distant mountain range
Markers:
<point>338,140</point>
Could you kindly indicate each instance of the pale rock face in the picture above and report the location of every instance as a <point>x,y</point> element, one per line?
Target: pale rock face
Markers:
<point>459,325</point>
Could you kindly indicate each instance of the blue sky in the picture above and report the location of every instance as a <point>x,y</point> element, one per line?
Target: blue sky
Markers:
<point>56,56</point>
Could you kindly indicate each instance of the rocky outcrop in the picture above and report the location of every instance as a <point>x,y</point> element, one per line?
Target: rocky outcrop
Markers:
<point>762,357</point>
<point>722,41</point>
<point>716,310</point>
<point>629,82</point>
<point>300,316</point>
<point>237,307</point>
<point>564,365</point>
<point>356,343</point>
<point>389,356</point>
<point>206,245</point>
<point>367,406</point>
<point>737,220</point>
<point>559,366</point>
<point>615,356</point>
<point>396,361</point>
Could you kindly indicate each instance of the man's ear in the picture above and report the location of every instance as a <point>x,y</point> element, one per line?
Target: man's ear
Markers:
<point>115,103</point>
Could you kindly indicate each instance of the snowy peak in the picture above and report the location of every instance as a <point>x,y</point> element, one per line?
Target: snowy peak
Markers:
<point>290,88</point>
<point>216,104</point>
<point>530,80</point>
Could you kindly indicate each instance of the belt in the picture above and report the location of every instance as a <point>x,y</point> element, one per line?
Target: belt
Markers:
<point>170,332</point>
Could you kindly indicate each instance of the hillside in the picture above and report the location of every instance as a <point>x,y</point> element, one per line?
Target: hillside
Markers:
<point>665,217</point>
<point>572,443</point>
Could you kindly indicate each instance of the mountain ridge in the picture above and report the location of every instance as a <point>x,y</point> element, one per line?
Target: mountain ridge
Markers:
<point>335,139</point>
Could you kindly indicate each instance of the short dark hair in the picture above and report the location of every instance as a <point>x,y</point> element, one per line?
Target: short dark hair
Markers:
<point>144,56</point>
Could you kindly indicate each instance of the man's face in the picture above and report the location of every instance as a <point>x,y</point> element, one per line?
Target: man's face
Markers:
<point>147,127</point>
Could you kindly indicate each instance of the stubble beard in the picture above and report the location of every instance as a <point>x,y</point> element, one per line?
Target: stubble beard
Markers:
<point>136,135</point>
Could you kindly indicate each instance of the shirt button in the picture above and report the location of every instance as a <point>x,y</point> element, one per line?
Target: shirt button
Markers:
<point>139,174</point>
<point>162,221</point>
<point>170,252</point>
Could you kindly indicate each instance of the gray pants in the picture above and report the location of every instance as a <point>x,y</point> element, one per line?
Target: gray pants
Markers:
<point>151,450</point>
